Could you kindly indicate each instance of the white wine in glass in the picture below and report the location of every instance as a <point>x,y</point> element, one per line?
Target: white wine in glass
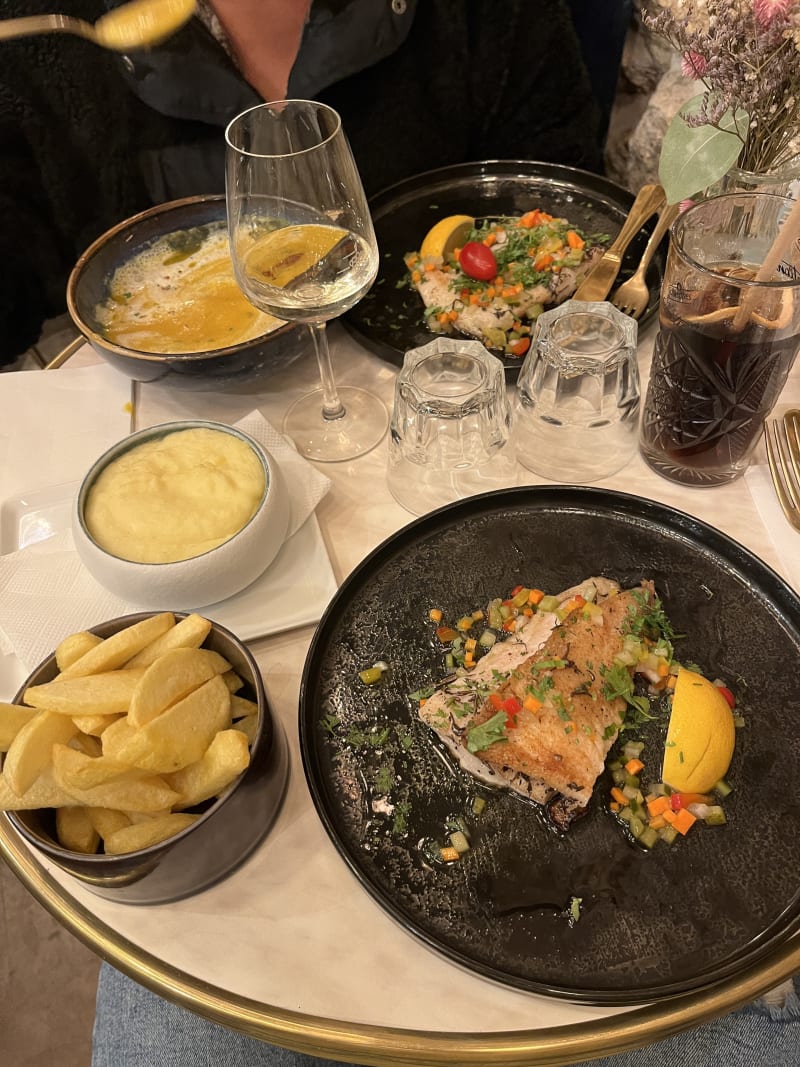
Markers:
<point>304,249</point>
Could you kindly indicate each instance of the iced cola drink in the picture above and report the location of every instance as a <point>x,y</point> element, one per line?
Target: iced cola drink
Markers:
<point>726,342</point>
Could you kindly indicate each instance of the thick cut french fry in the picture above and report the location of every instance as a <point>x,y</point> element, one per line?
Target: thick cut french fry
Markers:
<point>241,706</point>
<point>108,693</point>
<point>12,718</point>
<point>224,759</point>
<point>85,743</point>
<point>31,750</point>
<point>111,653</point>
<point>116,737</point>
<point>247,726</point>
<point>44,793</point>
<point>190,632</point>
<point>147,794</point>
<point>75,831</point>
<point>143,834</point>
<point>181,734</point>
<point>107,821</point>
<point>233,681</point>
<point>73,647</point>
<point>94,724</point>
<point>147,816</point>
<point>73,770</point>
<point>172,677</point>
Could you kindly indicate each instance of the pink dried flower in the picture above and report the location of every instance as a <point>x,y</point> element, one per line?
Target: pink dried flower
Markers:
<point>766,11</point>
<point>747,55</point>
<point>693,65</point>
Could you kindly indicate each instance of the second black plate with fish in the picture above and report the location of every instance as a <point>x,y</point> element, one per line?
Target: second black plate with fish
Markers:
<point>390,320</point>
<point>649,924</point>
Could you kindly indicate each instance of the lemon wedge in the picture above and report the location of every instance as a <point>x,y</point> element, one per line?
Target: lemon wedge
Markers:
<point>447,234</point>
<point>700,737</point>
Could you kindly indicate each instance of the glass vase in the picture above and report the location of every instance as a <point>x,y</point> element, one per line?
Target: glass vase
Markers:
<point>783,180</point>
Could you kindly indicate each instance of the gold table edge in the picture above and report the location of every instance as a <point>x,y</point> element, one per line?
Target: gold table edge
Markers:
<point>383,1046</point>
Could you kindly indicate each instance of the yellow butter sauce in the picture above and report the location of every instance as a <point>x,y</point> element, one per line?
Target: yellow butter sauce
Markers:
<point>180,295</point>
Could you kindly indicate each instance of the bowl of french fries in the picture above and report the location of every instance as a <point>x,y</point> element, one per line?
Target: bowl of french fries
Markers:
<point>142,757</point>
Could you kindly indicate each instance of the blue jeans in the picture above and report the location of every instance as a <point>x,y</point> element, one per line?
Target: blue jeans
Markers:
<point>136,1028</point>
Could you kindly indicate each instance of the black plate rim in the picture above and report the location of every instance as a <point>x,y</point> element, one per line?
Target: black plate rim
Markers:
<point>726,549</point>
<point>557,175</point>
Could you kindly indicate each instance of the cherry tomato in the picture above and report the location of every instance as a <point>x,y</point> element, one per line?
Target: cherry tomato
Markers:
<point>478,261</point>
<point>728,695</point>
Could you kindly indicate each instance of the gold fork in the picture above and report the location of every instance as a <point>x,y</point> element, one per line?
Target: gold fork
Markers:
<point>783,456</point>
<point>633,296</point>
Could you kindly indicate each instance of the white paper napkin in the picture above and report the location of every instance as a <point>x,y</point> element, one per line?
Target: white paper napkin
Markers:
<point>46,593</point>
<point>54,425</point>
<point>785,539</point>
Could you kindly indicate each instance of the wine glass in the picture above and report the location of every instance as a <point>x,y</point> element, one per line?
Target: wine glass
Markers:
<point>304,249</point>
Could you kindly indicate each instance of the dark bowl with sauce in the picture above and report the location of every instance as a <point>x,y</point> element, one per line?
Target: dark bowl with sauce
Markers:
<point>257,360</point>
<point>229,826</point>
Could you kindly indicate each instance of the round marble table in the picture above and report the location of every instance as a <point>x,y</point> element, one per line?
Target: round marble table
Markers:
<point>290,948</point>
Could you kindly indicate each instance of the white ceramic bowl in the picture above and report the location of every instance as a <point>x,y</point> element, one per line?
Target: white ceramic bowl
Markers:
<point>201,580</point>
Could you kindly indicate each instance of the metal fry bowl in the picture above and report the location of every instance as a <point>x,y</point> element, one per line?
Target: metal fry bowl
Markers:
<point>229,828</point>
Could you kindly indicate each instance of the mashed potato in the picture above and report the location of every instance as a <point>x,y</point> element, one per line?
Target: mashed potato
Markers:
<point>176,497</point>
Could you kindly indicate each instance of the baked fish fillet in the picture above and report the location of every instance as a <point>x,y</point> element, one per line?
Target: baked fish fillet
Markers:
<point>437,291</point>
<point>554,747</point>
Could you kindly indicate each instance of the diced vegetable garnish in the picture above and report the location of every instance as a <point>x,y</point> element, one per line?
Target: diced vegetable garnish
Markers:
<point>728,695</point>
<point>372,674</point>
<point>459,842</point>
<point>662,815</point>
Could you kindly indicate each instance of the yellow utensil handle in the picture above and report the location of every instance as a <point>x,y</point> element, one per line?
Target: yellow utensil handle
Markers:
<point>648,200</point>
<point>10,29</point>
<point>665,220</point>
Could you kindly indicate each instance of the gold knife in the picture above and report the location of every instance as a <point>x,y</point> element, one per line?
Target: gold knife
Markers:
<point>597,284</point>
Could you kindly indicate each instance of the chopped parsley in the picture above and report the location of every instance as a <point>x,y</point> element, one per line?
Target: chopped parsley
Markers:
<point>540,690</point>
<point>400,821</point>
<point>617,682</point>
<point>422,694</point>
<point>481,737</point>
<point>648,618</point>
<point>552,663</point>
<point>384,779</point>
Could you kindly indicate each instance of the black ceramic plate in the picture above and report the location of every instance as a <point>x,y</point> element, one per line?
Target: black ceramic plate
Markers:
<point>389,320</point>
<point>651,924</point>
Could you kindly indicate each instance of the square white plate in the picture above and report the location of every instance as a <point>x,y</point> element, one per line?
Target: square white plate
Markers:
<point>33,517</point>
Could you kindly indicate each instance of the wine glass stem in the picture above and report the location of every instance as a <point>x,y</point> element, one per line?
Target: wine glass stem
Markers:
<point>332,407</point>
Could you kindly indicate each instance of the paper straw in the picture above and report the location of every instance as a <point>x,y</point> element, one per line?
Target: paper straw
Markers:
<point>787,233</point>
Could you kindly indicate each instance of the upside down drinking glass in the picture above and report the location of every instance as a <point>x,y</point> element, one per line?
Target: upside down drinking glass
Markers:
<point>726,341</point>
<point>304,249</point>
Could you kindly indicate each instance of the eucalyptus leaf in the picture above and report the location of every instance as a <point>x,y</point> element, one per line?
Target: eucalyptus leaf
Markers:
<point>694,157</point>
